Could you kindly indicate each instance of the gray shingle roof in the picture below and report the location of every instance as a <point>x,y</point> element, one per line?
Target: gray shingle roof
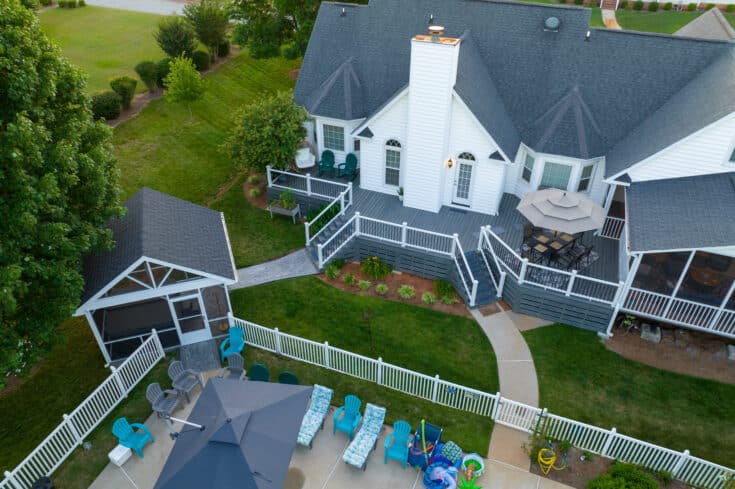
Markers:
<point>710,25</point>
<point>621,77</point>
<point>682,213</point>
<point>165,228</point>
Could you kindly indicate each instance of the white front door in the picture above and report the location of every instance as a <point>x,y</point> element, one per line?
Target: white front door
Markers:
<point>190,318</point>
<point>463,182</point>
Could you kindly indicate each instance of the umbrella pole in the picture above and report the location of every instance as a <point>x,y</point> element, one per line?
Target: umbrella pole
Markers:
<point>172,431</point>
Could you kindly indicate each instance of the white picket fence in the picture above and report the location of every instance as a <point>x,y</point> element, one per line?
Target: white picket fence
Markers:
<point>75,427</point>
<point>529,419</point>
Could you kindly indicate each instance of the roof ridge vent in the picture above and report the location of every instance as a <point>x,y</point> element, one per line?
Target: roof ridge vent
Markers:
<point>551,24</point>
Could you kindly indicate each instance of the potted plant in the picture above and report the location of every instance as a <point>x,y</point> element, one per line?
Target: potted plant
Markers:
<point>285,205</point>
<point>400,194</point>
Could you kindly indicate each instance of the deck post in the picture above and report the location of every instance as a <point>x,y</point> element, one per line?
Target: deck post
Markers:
<point>268,175</point>
<point>680,463</point>
<point>308,184</point>
<point>349,191</point>
<point>473,297</point>
<point>320,255</point>
<point>454,243</point>
<point>357,224</point>
<point>721,309</point>
<point>608,442</point>
<point>502,283</point>
<point>404,232</point>
<point>342,204</point>
<point>306,231</point>
<point>93,325</point>
<point>524,267</point>
<point>568,292</point>
<point>623,291</point>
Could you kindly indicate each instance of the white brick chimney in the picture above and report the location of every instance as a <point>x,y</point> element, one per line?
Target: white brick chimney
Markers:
<point>431,82</point>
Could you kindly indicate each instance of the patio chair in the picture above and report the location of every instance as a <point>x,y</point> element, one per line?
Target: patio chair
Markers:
<point>359,449</point>
<point>127,435</point>
<point>183,380</point>
<point>259,372</point>
<point>163,402</point>
<point>347,417</point>
<point>235,368</point>
<point>321,398</point>
<point>232,344</point>
<point>397,443</point>
<point>348,168</point>
<point>287,377</point>
<point>326,164</point>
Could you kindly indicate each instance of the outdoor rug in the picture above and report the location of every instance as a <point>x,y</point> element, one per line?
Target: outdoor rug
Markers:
<point>201,357</point>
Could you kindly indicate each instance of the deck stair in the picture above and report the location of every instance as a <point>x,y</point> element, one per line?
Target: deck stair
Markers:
<point>323,236</point>
<point>486,292</point>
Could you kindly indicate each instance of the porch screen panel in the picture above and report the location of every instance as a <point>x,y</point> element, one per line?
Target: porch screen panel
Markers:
<point>556,175</point>
<point>708,279</point>
<point>216,306</point>
<point>659,272</point>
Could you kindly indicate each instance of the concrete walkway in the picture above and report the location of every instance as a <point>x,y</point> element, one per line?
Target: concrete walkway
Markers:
<point>296,264</point>
<point>517,376</point>
<point>608,18</point>
<point>161,7</point>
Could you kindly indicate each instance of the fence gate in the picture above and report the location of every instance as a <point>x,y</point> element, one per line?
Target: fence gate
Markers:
<point>517,415</point>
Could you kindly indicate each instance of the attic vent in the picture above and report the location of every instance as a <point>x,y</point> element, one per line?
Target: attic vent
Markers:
<point>552,24</point>
<point>435,31</point>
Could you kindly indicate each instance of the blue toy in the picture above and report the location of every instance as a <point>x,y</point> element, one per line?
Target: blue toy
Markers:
<point>425,440</point>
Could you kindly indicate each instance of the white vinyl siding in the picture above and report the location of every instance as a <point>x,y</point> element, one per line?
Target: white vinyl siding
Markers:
<point>334,137</point>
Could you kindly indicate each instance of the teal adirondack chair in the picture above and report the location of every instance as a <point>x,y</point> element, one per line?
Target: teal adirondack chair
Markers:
<point>398,442</point>
<point>347,417</point>
<point>128,437</point>
<point>326,164</point>
<point>348,168</point>
<point>259,372</point>
<point>234,344</point>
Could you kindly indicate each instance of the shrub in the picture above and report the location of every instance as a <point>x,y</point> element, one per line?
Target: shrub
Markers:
<point>653,6</point>
<point>348,279</point>
<point>201,60</point>
<point>406,292</point>
<point>290,52</point>
<point>564,446</point>
<point>428,298</point>
<point>710,6</point>
<point>364,284</point>
<point>125,87</point>
<point>148,72</point>
<point>624,4</point>
<point>240,34</point>
<point>71,3</point>
<point>45,3</point>
<point>638,5</point>
<point>443,287</point>
<point>375,268</point>
<point>175,37</point>
<point>623,475</point>
<point>106,105</point>
<point>331,271</point>
<point>664,476</point>
<point>691,7</point>
<point>163,68</point>
<point>254,193</point>
<point>223,49</point>
<point>61,3</point>
<point>82,3</point>
<point>253,179</point>
<point>730,8</point>
<point>578,2</point>
<point>286,201</point>
<point>448,299</point>
<point>339,263</point>
<point>381,289</point>
<point>668,6</point>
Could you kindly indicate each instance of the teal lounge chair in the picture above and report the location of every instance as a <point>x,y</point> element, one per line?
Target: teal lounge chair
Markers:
<point>259,372</point>
<point>128,436</point>
<point>397,443</point>
<point>313,420</point>
<point>347,417</point>
<point>348,168</point>
<point>326,164</point>
<point>233,344</point>
<point>359,449</point>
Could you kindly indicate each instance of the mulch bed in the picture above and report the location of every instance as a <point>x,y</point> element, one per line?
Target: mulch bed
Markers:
<point>393,281</point>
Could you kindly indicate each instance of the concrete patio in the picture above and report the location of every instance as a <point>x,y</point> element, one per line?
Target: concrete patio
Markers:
<point>321,466</point>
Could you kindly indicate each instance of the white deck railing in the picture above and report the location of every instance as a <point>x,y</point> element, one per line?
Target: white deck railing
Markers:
<point>405,236</point>
<point>516,415</point>
<point>75,427</point>
<point>568,283</point>
<point>612,228</point>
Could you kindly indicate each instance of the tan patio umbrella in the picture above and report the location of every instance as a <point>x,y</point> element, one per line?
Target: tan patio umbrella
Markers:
<point>560,210</point>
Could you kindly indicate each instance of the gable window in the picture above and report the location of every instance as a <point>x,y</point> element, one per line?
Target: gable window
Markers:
<point>334,137</point>
<point>392,162</point>
<point>555,175</point>
<point>585,179</point>
<point>528,167</point>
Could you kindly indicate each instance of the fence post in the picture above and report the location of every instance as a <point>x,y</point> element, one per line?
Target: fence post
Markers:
<point>75,433</point>
<point>496,406</point>
<point>380,371</point>
<point>319,254</point>
<point>326,354</point>
<point>571,283</point>
<point>120,384</point>
<point>159,347</point>
<point>268,175</point>
<point>502,283</point>
<point>680,463</point>
<point>308,184</point>
<point>524,267</point>
<point>278,340</point>
<point>357,224</point>
<point>479,240</point>
<point>342,204</point>
<point>306,231</point>
<point>11,478</point>
<point>404,232</point>
<point>435,390</point>
<point>454,243</point>
<point>349,190</point>
<point>473,297</point>
<point>608,442</point>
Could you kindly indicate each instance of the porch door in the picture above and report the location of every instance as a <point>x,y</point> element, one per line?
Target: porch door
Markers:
<point>190,319</point>
<point>463,182</point>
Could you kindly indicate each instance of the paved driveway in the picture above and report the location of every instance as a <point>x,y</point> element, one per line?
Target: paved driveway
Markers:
<point>162,7</point>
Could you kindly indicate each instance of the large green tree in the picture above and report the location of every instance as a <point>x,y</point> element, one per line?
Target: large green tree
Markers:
<point>58,184</point>
<point>209,18</point>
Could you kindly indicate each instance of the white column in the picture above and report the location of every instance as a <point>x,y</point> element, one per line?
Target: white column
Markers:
<point>268,175</point>
<point>624,292</point>
<point>97,336</point>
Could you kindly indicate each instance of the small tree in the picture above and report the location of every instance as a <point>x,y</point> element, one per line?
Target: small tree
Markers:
<point>184,83</point>
<point>209,20</point>
<point>267,132</point>
<point>125,87</point>
<point>147,71</point>
<point>175,37</point>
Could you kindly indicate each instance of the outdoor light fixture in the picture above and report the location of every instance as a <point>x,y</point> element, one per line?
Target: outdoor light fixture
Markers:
<point>450,162</point>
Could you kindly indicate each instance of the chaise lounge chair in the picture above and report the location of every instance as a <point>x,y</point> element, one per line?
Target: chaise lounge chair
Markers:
<point>321,398</point>
<point>366,439</point>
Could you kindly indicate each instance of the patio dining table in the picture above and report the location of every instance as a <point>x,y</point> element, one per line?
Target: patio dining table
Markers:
<point>550,243</point>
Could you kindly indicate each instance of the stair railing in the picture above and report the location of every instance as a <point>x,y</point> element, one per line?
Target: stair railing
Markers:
<point>484,246</point>
<point>344,200</point>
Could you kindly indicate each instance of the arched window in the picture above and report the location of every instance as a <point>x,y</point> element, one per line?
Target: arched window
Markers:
<point>392,162</point>
<point>466,156</point>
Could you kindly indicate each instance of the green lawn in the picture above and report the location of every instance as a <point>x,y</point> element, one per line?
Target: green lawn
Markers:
<point>67,375</point>
<point>581,379</point>
<point>104,42</point>
<point>596,18</point>
<point>412,337</point>
<point>662,22</point>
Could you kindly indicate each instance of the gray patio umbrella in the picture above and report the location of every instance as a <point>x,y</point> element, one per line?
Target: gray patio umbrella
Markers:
<point>568,212</point>
<point>250,432</point>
